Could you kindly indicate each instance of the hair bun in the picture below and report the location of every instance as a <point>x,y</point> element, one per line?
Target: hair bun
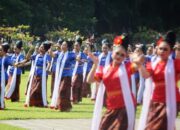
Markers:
<point>170,38</point>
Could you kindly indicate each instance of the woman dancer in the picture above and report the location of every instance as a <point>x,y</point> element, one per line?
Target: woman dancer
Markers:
<point>161,96</point>
<point>115,80</point>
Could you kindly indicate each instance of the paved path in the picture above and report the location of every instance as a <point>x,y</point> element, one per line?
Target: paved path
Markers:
<point>57,124</point>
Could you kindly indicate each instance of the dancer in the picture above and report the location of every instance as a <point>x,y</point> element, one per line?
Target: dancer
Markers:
<point>104,60</point>
<point>86,69</point>
<point>14,80</point>
<point>77,75</point>
<point>54,56</point>
<point>114,79</point>
<point>36,94</point>
<point>161,96</point>
<point>62,87</point>
<point>5,61</point>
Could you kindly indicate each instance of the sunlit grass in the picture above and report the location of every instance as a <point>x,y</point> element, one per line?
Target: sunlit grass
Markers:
<point>9,127</point>
<point>18,111</point>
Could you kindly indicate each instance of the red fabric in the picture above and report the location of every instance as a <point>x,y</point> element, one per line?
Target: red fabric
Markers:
<point>159,80</point>
<point>113,87</point>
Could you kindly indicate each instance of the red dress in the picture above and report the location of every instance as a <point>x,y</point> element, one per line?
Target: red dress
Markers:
<point>113,86</point>
<point>158,77</point>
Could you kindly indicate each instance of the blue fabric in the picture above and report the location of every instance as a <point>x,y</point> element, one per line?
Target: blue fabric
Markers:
<point>39,64</point>
<point>103,60</point>
<point>69,64</point>
<point>80,66</point>
<point>7,62</point>
<point>13,60</point>
<point>148,58</point>
<point>97,53</point>
<point>90,63</point>
<point>56,53</point>
<point>173,55</point>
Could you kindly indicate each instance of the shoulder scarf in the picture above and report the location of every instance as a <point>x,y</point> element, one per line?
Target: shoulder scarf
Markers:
<point>133,84</point>
<point>76,66</point>
<point>13,81</point>
<point>33,67</point>
<point>141,89</point>
<point>127,99</point>
<point>85,66</point>
<point>74,73</point>
<point>31,72</point>
<point>58,76</point>
<point>44,81</point>
<point>170,96</point>
<point>2,82</point>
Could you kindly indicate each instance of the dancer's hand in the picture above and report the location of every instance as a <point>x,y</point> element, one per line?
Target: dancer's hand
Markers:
<point>93,58</point>
<point>138,59</point>
<point>16,65</point>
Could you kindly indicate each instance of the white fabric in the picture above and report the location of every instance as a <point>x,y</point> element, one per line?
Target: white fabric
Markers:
<point>2,82</point>
<point>76,66</point>
<point>31,79</point>
<point>44,93</point>
<point>58,76</point>
<point>170,95</point>
<point>98,105</point>
<point>85,70</point>
<point>125,86</point>
<point>13,81</point>
<point>141,89</point>
<point>74,73</point>
<point>55,94</point>
<point>31,72</point>
<point>133,84</point>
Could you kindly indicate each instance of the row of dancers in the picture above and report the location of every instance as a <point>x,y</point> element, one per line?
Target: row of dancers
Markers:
<point>119,74</point>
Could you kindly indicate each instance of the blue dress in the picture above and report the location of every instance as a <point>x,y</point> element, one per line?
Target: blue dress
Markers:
<point>39,64</point>
<point>13,61</point>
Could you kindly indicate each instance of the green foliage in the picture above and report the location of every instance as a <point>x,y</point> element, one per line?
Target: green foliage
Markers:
<point>20,32</point>
<point>64,33</point>
<point>89,16</point>
<point>145,35</point>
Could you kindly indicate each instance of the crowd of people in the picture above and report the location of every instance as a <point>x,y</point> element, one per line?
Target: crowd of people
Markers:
<point>119,77</point>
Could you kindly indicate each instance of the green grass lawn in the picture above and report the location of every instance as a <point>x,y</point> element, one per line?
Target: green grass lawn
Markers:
<point>17,111</point>
<point>9,127</point>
